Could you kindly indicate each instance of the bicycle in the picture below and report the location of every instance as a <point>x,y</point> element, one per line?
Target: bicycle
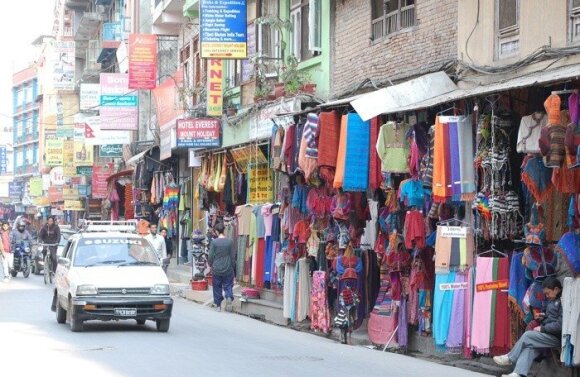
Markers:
<point>47,270</point>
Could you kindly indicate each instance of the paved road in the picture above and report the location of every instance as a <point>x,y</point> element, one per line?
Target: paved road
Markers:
<point>200,342</point>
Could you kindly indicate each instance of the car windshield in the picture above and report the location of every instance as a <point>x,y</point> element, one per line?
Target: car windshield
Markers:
<point>114,251</point>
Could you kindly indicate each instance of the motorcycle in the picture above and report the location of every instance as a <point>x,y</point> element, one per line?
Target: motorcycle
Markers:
<point>22,260</point>
<point>38,259</point>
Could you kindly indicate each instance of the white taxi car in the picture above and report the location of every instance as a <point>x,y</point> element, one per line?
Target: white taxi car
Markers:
<point>107,272</point>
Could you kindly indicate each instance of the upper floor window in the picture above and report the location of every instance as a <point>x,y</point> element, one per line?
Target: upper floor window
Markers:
<point>268,36</point>
<point>233,70</point>
<point>508,30</point>
<point>389,16</point>
<point>306,28</point>
<point>575,20</point>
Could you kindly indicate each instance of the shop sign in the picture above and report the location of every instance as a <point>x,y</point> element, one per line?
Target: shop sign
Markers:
<point>261,187</point>
<point>112,31</point>
<point>55,194</point>
<point>492,286</point>
<point>86,171</point>
<point>84,190</point>
<point>453,231</point>
<point>111,150</point>
<point>68,158</point>
<point>73,205</point>
<point>99,182</point>
<point>94,135</point>
<point>45,182</point>
<point>57,176</point>
<point>198,133</point>
<point>63,65</point>
<point>167,104</point>
<point>3,163</point>
<point>15,190</point>
<point>167,140</point>
<point>215,95</point>
<point>56,212</point>
<point>223,29</point>
<point>261,126</point>
<point>70,193</point>
<point>35,187</point>
<point>247,64</point>
<point>118,109</point>
<point>42,201</point>
<point>53,149</point>
<point>246,155</point>
<point>90,97</point>
<point>194,161</point>
<point>83,155</point>
<point>453,286</point>
<point>142,61</point>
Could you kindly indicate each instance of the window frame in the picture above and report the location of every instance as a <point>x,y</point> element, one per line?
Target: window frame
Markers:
<point>268,53</point>
<point>508,34</point>
<point>574,19</point>
<point>380,22</point>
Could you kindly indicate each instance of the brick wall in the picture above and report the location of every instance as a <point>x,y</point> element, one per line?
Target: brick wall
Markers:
<point>421,49</point>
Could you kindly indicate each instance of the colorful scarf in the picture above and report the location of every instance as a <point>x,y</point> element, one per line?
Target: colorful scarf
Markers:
<point>440,184</point>
<point>481,322</point>
<point>311,135</point>
<point>518,284</point>
<point>356,169</point>
<point>455,338</point>
<point>501,337</point>
<point>375,176</point>
<point>329,133</point>
<point>455,164</point>
<point>319,313</point>
<point>569,248</point>
<point>443,303</point>
<point>341,156</point>
<point>537,178</point>
<point>469,311</point>
<point>466,156</point>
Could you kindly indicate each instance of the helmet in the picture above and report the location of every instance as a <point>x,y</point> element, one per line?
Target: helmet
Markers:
<point>21,225</point>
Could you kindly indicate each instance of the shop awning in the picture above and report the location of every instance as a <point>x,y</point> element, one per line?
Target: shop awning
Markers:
<point>133,161</point>
<point>121,174</point>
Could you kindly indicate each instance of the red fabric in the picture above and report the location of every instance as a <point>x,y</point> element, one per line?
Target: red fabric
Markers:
<point>501,338</point>
<point>301,231</point>
<point>375,176</point>
<point>260,256</point>
<point>566,180</point>
<point>289,146</point>
<point>329,134</point>
<point>414,230</point>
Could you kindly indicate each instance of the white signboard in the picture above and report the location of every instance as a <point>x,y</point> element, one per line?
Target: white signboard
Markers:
<point>57,176</point>
<point>94,135</point>
<point>167,140</point>
<point>454,231</point>
<point>90,97</point>
<point>63,65</point>
<point>194,161</point>
<point>452,286</point>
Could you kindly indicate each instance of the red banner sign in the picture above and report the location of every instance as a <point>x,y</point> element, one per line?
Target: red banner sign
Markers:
<point>55,194</point>
<point>100,175</point>
<point>492,286</point>
<point>198,133</point>
<point>142,61</point>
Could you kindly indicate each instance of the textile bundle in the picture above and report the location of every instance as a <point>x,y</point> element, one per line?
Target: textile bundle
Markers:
<point>453,167</point>
<point>319,312</point>
<point>341,155</point>
<point>452,253</point>
<point>356,166</point>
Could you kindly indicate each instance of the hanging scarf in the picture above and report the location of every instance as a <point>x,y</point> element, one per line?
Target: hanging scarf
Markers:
<point>537,178</point>
<point>501,337</point>
<point>518,284</point>
<point>442,307</point>
<point>440,163</point>
<point>482,308</point>
<point>569,248</point>
<point>341,156</point>
<point>455,337</point>
<point>319,312</point>
<point>375,176</point>
<point>356,173</point>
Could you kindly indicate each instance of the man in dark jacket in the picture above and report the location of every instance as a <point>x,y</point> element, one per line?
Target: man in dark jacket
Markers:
<point>221,260</point>
<point>50,234</point>
<point>547,335</point>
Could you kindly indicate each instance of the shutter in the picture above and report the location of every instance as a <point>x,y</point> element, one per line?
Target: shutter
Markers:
<point>315,25</point>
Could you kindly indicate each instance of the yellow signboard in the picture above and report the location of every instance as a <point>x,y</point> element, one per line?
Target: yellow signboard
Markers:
<point>250,154</point>
<point>261,187</point>
<point>41,201</point>
<point>35,187</point>
<point>215,88</point>
<point>83,154</point>
<point>73,205</point>
<point>68,165</point>
<point>54,148</point>
<point>71,194</point>
<point>225,50</point>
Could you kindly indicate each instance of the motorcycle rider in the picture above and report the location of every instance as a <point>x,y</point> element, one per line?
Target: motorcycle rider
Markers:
<point>5,250</point>
<point>20,235</point>
<point>50,234</point>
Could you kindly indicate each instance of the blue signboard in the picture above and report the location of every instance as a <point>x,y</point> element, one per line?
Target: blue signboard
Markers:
<point>112,31</point>
<point>3,164</point>
<point>15,190</point>
<point>223,29</point>
<point>120,101</point>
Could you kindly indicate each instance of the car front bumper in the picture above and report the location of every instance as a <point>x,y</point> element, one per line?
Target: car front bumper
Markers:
<point>117,308</point>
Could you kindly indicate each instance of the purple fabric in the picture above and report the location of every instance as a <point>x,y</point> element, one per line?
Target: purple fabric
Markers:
<point>455,337</point>
<point>402,336</point>
<point>574,107</point>
<point>454,155</point>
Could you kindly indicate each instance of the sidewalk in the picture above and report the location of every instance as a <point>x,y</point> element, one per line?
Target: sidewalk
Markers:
<point>419,346</point>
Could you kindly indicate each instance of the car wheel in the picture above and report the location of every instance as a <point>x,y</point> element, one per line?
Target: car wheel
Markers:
<point>76,325</point>
<point>163,325</point>
<point>60,312</point>
<point>140,321</point>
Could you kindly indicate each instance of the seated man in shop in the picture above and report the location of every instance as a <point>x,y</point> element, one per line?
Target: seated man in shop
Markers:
<point>545,336</point>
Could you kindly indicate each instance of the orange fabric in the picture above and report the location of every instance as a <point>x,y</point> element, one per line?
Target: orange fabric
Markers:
<point>307,165</point>
<point>143,227</point>
<point>341,159</point>
<point>301,231</point>
<point>566,180</point>
<point>440,191</point>
<point>552,106</point>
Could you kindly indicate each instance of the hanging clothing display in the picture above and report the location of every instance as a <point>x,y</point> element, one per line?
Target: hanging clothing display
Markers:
<point>356,173</point>
<point>529,133</point>
<point>570,354</point>
<point>393,147</point>
<point>319,310</point>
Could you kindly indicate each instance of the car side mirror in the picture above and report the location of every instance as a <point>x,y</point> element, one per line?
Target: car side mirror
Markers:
<point>64,262</point>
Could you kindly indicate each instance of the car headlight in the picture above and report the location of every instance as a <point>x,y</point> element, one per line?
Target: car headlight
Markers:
<point>86,290</point>
<point>160,289</point>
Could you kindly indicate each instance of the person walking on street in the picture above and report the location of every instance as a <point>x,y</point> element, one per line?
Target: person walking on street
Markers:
<point>546,335</point>
<point>6,250</point>
<point>50,234</point>
<point>221,260</point>
<point>168,242</point>
<point>157,241</point>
